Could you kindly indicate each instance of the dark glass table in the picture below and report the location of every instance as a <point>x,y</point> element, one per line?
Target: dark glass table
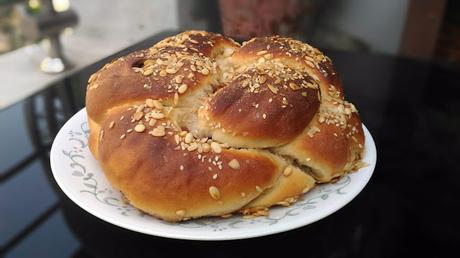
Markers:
<point>411,206</point>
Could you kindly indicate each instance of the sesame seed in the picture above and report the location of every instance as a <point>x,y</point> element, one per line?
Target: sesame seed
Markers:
<point>181,167</point>
<point>112,124</point>
<point>258,189</point>
<point>139,128</point>
<point>216,147</point>
<point>243,194</point>
<point>122,136</point>
<point>264,116</point>
<point>214,176</point>
<point>129,130</point>
<point>234,164</point>
<point>122,117</point>
<point>214,192</point>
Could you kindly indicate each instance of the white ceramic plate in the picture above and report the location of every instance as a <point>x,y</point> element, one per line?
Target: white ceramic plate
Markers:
<point>82,180</point>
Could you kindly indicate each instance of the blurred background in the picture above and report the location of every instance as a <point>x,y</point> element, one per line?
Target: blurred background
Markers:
<point>43,37</point>
<point>393,56</point>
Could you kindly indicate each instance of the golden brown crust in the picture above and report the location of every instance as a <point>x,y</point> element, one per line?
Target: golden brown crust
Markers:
<point>161,179</point>
<point>252,112</point>
<point>167,124</point>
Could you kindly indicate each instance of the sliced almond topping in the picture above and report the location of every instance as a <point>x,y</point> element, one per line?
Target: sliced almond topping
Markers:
<point>188,138</point>
<point>176,99</point>
<point>214,192</point>
<point>283,203</point>
<point>272,88</point>
<point>157,115</point>
<point>139,128</point>
<point>149,103</point>
<point>216,147</point>
<point>263,52</point>
<point>138,115</point>
<point>182,88</point>
<point>147,72</point>
<point>234,164</point>
<point>170,71</point>
<point>178,79</point>
<point>158,131</point>
<point>293,86</point>
<point>180,213</point>
<point>287,171</point>
<point>262,79</point>
<point>157,104</point>
<point>205,71</point>
<point>206,147</point>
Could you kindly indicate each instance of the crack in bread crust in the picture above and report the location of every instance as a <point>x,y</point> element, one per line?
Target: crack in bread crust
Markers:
<point>198,125</point>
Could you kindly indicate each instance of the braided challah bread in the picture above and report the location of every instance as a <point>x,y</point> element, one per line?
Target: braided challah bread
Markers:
<point>198,125</point>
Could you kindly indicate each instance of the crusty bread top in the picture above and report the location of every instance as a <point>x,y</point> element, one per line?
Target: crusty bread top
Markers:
<point>197,115</point>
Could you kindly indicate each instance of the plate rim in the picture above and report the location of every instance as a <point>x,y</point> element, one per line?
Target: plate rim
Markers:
<point>286,226</point>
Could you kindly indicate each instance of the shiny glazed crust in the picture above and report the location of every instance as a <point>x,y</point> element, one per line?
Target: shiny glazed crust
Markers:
<point>198,125</point>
